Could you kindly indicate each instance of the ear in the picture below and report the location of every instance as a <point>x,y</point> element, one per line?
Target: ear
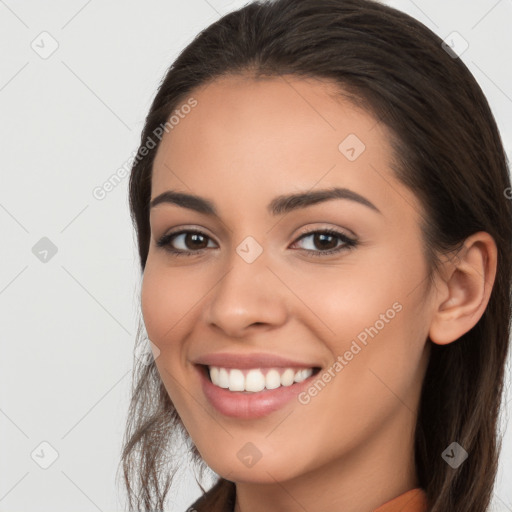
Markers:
<point>464,289</point>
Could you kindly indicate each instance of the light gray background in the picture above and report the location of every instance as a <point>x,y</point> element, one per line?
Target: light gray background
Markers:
<point>68,122</point>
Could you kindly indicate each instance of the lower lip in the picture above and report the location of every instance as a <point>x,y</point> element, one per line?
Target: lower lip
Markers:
<point>240,404</point>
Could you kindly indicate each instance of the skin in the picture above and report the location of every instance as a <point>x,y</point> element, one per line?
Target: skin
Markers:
<point>246,142</point>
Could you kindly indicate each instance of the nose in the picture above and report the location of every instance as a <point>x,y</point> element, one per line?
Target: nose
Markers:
<point>249,296</point>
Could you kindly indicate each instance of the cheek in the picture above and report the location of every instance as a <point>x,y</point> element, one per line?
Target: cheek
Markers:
<point>377,304</point>
<point>349,299</point>
<point>163,304</point>
<point>382,330</point>
<point>171,299</point>
<point>164,309</point>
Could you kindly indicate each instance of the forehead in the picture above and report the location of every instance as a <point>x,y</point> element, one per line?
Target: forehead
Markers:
<point>273,135</point>
<point>248,113</point>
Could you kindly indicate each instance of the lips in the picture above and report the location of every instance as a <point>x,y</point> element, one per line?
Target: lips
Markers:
<point>249,405</point>
<point>258,402</point>
<point>256,360</point>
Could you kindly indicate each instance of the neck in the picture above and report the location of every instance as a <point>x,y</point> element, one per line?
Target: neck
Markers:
<point>362,479</point>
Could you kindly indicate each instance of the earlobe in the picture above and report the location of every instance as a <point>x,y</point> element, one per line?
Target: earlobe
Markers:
<point>464,293</point>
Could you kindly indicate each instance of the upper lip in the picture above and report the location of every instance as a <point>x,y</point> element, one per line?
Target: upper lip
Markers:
<point>257,360</point>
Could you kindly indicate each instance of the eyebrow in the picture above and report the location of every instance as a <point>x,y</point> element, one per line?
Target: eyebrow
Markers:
<point>278,206</point>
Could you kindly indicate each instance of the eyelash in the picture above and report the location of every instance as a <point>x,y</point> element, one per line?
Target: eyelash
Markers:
<point>349,243</point>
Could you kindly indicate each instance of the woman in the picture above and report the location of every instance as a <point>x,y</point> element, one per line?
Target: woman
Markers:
<point>320,198</point>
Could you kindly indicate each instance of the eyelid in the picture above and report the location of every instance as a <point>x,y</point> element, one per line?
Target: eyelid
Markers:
<point>348,242</point>
<point>188,228</point>
<point>340,231</point>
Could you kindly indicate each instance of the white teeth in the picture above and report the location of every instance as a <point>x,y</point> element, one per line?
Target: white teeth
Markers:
<point>255,380</point>
<point>302,375</point>
<point>272,379</point>
<point>287,377</point>
<point>223,381</point>
<point>236,380</point>
<point>214,374</point>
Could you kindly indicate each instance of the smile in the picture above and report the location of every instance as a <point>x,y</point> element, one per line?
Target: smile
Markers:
<point>256,379</point>
<point>249,398</point>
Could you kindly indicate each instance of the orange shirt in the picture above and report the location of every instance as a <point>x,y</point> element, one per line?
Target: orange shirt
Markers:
<point>414,500</point>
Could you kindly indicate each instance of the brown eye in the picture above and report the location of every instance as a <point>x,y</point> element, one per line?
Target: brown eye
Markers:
<point>189,242</point>
<point>325,242</point>
<point>195,240</point>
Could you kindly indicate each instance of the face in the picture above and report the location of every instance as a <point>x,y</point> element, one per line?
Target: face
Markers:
<point>329,283</point>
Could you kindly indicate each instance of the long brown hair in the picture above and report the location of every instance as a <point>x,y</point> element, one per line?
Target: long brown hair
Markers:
<point>447,150</point>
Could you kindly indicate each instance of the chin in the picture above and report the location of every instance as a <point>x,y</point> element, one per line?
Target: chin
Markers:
<point>264,471</point>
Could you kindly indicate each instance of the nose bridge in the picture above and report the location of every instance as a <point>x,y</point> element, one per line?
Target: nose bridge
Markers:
<point>248,292</point>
